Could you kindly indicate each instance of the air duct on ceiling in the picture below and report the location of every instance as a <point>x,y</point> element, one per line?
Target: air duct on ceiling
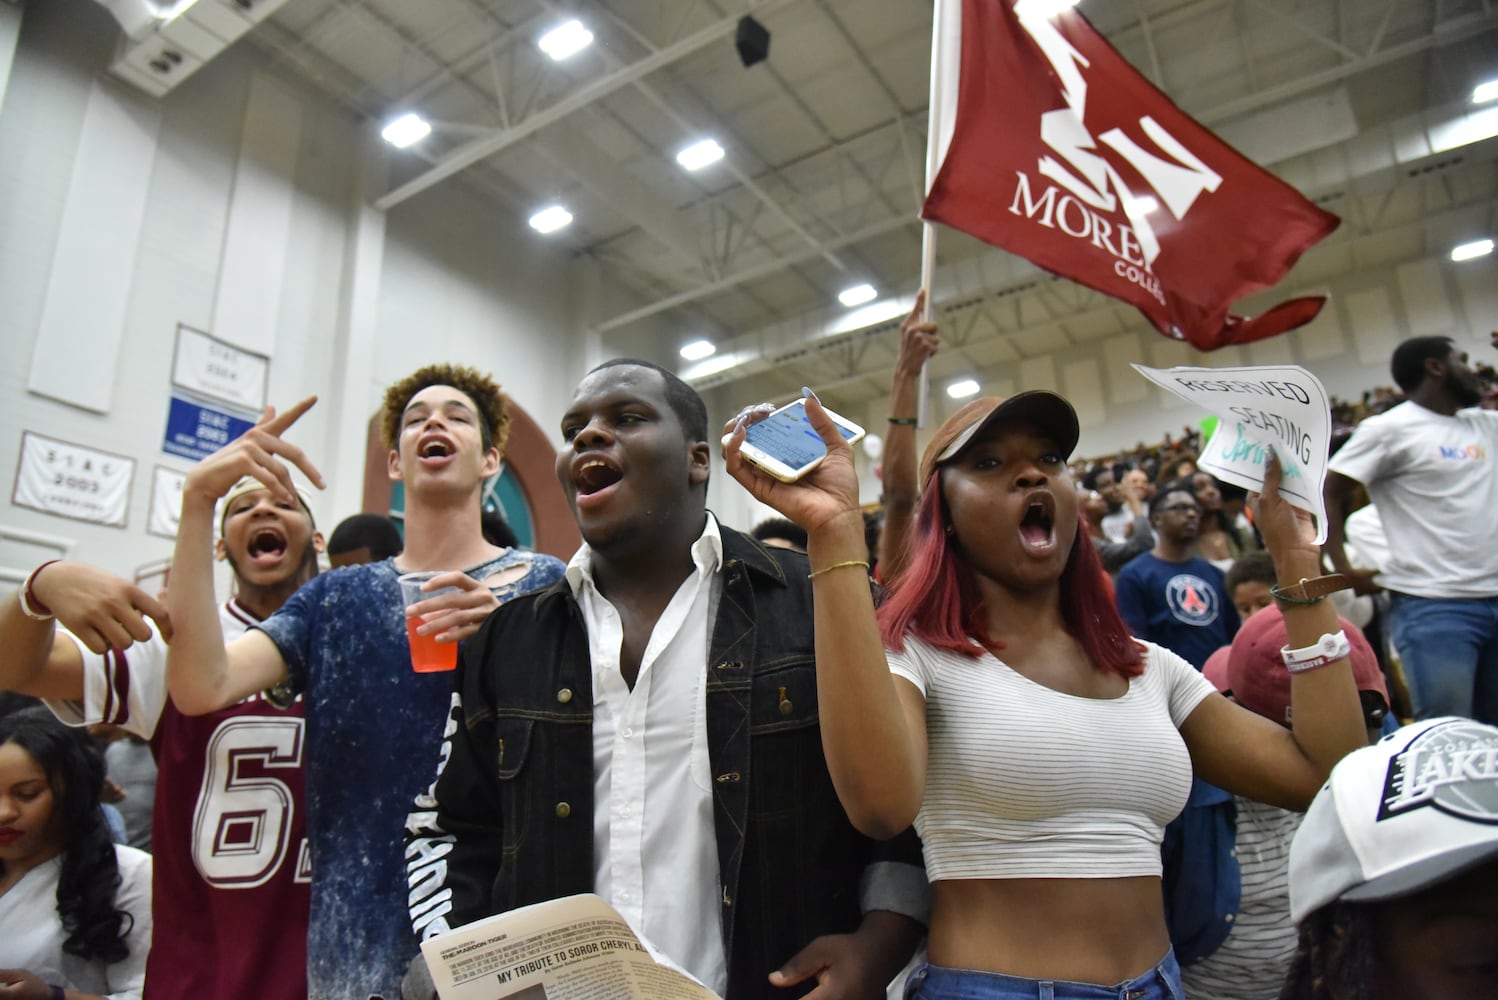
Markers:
<point>165,42</point>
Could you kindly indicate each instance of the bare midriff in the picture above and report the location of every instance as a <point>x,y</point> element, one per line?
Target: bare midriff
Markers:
<point>1102,930</point>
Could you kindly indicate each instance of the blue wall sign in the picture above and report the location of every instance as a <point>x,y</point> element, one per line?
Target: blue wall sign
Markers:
<point>196,431</point>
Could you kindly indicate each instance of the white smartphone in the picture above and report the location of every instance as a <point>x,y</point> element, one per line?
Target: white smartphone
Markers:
<point>785,444</point>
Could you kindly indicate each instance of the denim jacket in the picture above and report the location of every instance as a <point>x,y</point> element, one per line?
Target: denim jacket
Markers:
<point>509,820</point>
<point>1202,883</point>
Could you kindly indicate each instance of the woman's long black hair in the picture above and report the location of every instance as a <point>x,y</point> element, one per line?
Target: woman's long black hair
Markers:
<point>90,874</point>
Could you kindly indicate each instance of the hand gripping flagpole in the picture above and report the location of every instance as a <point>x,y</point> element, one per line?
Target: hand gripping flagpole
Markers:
<point>946,26</point>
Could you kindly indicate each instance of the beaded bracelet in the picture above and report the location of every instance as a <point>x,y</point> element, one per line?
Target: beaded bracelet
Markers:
<point>837,565</point>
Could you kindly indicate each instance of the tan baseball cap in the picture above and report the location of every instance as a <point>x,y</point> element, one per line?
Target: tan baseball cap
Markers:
<point>1045,409</point>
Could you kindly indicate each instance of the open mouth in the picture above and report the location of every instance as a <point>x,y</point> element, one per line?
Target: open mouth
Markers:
<point>1037,525</point>
<point>267,544</point>
<point>435,448</point>
<point>594,475</point>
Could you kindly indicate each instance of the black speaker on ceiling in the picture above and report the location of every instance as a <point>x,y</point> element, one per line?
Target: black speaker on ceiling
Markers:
<point>752,40</point>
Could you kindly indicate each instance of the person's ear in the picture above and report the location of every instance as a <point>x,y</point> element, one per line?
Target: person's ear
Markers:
<point>700,459</point>
<point>492,462</point>
<point>393,465</point>
<point>318,543</point>
<point>220,551</point>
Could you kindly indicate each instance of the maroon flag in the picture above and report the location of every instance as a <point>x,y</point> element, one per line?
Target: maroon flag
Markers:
<point>1063,153</point>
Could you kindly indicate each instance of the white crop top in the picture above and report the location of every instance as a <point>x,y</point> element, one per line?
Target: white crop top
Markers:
<point>1026,782</point>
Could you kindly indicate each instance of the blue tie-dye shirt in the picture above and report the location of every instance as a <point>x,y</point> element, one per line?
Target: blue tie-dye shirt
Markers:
<point>373,729</point>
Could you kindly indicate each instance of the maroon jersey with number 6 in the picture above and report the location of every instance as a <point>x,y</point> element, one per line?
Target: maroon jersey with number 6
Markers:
<point>231,888</point>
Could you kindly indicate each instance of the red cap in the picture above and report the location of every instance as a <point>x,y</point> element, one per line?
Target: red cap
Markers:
<point>1256,671</point>
<point>1049,412</point>
<point>1216,669</point>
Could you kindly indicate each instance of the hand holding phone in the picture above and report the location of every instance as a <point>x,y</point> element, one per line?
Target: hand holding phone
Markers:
<point>786,445</point>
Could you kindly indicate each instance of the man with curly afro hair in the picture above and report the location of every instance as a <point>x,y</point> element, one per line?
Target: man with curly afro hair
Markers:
<point>340,642</point>
<point>493,405</point>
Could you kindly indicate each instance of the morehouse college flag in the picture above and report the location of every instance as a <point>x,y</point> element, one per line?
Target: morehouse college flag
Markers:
<point>1061,152</point>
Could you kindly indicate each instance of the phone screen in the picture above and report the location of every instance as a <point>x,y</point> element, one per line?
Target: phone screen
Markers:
<point>789,437</point>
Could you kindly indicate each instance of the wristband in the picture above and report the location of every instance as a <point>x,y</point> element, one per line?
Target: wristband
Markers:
<point>30,606</point>
<point>904,421</point>
<point>1330,648</point>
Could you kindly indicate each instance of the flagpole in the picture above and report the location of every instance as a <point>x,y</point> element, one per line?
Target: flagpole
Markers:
<point>939,16</point>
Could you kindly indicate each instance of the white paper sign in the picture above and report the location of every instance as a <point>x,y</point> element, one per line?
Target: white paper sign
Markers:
<point>166,501</point>
<point>219,371</point>
<point>1283,407</point>
<point>69,480</point>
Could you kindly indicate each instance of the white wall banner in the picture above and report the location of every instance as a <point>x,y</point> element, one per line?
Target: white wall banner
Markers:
<point>166,501</point>
<point>69,480</point>
<point>1283,407</point>
<point>211,368</point>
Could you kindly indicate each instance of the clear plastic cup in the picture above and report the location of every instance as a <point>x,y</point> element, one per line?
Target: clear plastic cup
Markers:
<point>427,654</point>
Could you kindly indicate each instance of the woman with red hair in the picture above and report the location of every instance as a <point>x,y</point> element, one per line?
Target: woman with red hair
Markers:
<point>999,703</point>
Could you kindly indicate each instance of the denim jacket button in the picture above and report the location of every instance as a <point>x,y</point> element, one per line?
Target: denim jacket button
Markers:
<point>563,810</point>
<point>786,708</point>
<point>564,695</point>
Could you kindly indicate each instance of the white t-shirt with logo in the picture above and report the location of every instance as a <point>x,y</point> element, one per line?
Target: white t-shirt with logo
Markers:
<point>1435,484</point>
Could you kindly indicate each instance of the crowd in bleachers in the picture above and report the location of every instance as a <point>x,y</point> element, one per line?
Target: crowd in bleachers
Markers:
<point>1167,458</point>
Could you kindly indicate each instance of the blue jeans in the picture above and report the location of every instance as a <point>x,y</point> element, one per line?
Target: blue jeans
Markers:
<point>1448,648</point>
<point>935,982</point>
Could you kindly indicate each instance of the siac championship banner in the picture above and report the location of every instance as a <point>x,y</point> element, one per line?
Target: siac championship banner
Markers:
<point>1061,152</point>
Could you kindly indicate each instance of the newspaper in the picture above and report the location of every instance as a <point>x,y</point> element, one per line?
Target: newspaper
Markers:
<point>575,948</point>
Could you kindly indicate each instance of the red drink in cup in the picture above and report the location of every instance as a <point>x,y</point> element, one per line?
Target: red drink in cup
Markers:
<point>427,654</point>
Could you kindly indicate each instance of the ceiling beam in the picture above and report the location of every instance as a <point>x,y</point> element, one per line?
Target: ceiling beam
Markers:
<point>470,153</point>
<point>754,273</point>
<point>729,164</point>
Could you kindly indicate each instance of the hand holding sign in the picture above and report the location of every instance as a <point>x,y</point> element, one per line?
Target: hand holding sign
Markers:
<point>1272,410</point>
<point>1284,526</point>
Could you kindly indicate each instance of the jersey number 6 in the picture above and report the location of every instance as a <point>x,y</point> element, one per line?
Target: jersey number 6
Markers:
<point>243,819</point>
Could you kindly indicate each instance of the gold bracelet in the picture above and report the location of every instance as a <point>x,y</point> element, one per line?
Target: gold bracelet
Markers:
<point>838,565</point>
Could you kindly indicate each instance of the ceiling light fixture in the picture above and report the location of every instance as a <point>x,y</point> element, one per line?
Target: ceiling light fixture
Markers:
<point>857,295</point>
<point>963,389</point>
<point>1467,251</point>
<point>698,349</point>
<point>565,40</point>
<point>405,130</point>
<point>700,154</point>
<point>1043,8</point>
<point>166,11</point>
<point>550,219</point>
<point>1485,92</point>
